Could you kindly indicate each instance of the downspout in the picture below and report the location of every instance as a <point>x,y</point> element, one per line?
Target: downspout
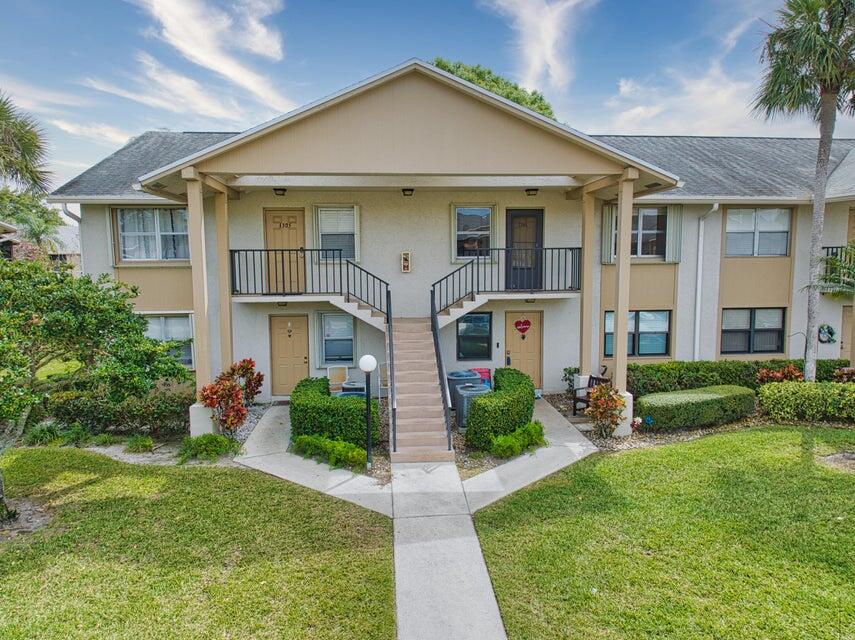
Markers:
<point>69,213</point>
<point>699,280</point>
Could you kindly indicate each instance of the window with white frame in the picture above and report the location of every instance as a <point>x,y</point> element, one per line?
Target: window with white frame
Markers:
<point>173,327</point>
<point>648,333</point>
<point>153,234</point>
<point>336,338</point>
<point>473,228</point>
<point>757,232</point>
<point>337,229</point>
<point>649,225</point>
<point>752,330</point>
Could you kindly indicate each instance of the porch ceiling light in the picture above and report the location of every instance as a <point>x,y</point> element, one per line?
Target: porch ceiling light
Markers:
<point>280,191</point>
<point>531,191</point>
<point>408,191</point>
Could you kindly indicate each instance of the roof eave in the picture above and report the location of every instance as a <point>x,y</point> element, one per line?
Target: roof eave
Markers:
<point>107,199</point>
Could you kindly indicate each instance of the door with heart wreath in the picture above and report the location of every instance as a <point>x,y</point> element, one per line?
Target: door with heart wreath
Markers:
<point>524,343</point>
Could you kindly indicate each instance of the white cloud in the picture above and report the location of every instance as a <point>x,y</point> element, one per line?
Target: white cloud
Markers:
<point>97,131</point>
<point>203,35</point>
<point>36,99</point>
<point>543,33</point>
<point>166,89</point>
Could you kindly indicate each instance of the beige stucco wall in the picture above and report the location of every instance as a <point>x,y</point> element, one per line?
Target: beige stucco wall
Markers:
<point>378,130</point>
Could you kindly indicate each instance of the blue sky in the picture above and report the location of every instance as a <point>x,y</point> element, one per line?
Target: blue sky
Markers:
<point>100,71</point>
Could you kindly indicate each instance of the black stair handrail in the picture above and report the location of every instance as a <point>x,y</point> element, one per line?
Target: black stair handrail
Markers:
<point>361,284</point>
<point>393,393</point>
<point>440,368</point>
<point>501,270</point>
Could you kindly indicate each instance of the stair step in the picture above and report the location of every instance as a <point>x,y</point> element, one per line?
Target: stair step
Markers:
<point>411,337</point>
<point>422,439</point>
<point>418,387</point>
<point>422,454</point>
<point>418,399</point>
<point>418,412</point>
<point>420,425</point>
<point>415,364</point>
<point>421,375</point>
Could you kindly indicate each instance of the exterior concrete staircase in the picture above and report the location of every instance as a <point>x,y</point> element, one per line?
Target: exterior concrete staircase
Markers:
<point>420,417</point>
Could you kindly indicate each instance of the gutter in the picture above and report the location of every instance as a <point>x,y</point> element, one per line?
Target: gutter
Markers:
<point>699,279</point>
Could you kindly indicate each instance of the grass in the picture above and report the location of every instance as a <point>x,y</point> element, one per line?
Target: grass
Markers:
<point>740,535</point>
<point>141,552</point>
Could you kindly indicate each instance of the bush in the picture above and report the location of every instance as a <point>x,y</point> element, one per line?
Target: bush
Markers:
<point>225,397</point>
<point>162,412</point>
<point>104,440</point>
<point>502,411</point>
<point>569,372</point>
<point>314,412</point>
<point>336,452</point>
<point>643,379</point>
<point>605,408</point>
<point>514,443</point>
<point>209,446</point>
<point>42,435</point>
<point>789,372</point>
<point>789,401</point>
<point>76,435</point>
<point>700,407</point>
<point>845,374</point>
<point>139,444</point>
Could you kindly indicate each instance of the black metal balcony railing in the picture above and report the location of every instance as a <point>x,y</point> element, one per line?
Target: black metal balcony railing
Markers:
<point>511,269</point>
<point>836,258</point>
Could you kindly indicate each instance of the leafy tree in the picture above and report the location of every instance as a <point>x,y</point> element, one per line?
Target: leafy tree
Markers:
<point>810,58</point>
<point>36,222</point>
<point>46,314</point>
<point>485,78</point>
<point>22,148</point>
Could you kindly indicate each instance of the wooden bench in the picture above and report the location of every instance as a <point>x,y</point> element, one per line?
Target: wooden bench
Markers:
<point>579,398</point>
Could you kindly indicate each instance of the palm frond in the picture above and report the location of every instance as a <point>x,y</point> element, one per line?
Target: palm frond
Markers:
<point>23,152</point>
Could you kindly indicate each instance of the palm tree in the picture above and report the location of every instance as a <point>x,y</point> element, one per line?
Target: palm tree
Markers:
<point>811,70</point>
<point>22,148</point>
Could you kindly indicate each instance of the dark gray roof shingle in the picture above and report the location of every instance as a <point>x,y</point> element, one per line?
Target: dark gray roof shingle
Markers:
<point>116,174</point>
<point>707,166</point>
<point>733,166</point>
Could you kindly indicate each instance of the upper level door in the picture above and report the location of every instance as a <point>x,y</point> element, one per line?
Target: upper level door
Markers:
<point>524,260</point>
<point>285,239</point>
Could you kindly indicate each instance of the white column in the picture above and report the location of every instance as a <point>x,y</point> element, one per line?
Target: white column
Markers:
<point>622,268</point>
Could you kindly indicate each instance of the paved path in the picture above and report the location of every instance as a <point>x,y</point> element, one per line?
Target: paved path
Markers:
<point>267,450</point>
<point>442,587</point>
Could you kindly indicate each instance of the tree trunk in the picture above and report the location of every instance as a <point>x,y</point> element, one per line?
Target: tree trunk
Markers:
<point>7,440</point>
<point>827,115</point>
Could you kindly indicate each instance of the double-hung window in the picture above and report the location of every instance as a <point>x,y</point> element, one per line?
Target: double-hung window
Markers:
<point>473,228</point>
<point>153,234</point>
<point>474,336</point>
<point>757,232</point>
<point>176,327</point>
<point>648,333</point>
<point>337,229</point>
<point>336,338</point>
<point>752,331</point>
<point>649,225</point>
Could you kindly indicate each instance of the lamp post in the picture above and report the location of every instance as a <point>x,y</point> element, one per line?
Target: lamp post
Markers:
<point>367,364</point>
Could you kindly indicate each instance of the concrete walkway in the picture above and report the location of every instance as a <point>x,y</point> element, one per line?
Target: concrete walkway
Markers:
<point>266,449</point>
<point>566,446</point>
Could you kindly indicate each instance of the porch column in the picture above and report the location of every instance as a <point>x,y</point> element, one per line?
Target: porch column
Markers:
<point>622,265</point>
<point>624,236</point>
<point>586,321</point>
<point>196,231</point>
<point>224,287</point>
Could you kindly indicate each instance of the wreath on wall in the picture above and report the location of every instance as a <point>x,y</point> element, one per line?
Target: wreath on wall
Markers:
<point>827,334</point>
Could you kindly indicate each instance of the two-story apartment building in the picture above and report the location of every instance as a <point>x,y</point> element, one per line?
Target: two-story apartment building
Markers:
<point>415,203</point>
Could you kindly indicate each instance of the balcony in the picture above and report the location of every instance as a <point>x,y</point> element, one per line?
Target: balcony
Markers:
<point>839,263</point>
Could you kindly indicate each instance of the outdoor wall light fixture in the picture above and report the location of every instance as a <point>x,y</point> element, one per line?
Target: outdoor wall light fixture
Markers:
<point>531,191</point>
<point>408,191</point>
<point>280,192</point>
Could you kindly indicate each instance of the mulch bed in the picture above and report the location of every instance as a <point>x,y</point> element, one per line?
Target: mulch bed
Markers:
<point>31,517</point>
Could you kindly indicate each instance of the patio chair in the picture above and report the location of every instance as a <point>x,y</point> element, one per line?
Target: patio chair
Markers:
<point>579,396</point>
<point>338,374</point>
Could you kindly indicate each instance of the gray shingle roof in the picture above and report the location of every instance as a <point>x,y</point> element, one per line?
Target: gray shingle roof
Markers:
<point>732,166</point>
<point>116,174</point>
<point>709,167</point>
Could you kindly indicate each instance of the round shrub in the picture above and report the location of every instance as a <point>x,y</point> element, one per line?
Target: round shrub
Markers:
<point>812,401</point>
<point>700,407</point>
<point>502,411</point>
<point>315,412</point>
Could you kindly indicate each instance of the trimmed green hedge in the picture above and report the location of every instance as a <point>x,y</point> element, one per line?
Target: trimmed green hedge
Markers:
<point>789,401</point>
<point>314,412</point>
<point>337,452</point>
<point>643,379</point>
<point>514,443</point>
<point>504,410</point>
<point>158,413</point>
<point>700,407</point>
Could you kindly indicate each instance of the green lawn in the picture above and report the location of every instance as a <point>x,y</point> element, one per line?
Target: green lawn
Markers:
<point>733,536</point>
<point>159,552</point>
